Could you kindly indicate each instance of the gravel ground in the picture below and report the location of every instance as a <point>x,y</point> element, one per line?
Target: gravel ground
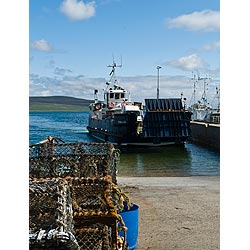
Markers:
<point>176,212</point>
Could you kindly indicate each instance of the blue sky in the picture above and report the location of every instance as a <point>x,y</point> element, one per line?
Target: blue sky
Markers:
<point>18,59</point>
<point>72,42</point>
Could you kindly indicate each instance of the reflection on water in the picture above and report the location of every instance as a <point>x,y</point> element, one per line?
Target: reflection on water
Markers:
<point>169,161</point>
<point>184,160</point>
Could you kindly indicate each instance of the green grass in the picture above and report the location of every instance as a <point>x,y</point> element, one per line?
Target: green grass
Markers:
<point>52,107</point>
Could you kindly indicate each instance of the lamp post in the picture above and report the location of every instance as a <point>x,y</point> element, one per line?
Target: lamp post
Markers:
<point>158,78</point>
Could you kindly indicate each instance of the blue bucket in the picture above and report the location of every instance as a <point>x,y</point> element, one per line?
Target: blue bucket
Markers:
<point>131,218</point>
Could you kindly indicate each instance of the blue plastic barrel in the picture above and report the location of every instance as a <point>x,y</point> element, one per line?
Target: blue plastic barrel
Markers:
<point>131,218</point>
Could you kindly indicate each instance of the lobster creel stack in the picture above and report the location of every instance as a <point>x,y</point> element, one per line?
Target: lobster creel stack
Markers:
<point>50,215</point>
<point>74,198</point>
<point>75,159</point>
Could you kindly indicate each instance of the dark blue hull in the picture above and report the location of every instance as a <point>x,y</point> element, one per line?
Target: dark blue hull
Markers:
<point>159,129</point>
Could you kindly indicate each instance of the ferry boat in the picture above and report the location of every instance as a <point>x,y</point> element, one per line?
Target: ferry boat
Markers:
<point>123,122</point>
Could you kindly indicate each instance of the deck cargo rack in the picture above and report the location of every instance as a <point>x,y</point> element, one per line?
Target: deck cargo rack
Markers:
<point>166,118</point>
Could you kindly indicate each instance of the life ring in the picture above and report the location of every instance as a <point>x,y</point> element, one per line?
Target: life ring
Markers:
<point>111,105</point>
<point>97,106</point>
<point>124,103</point>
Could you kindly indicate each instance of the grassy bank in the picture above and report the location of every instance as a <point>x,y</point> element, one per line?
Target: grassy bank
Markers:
<point>58,103</point>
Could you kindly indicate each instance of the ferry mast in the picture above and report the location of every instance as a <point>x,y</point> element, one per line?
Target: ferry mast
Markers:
<point>204,95</point>
<point>113,79</point>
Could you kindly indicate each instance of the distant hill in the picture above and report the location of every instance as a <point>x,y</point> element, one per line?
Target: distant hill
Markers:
<point>58,103</point>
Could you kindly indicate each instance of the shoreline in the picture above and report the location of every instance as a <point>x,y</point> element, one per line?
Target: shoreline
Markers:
<point>176,212</point>
<point>209,181</point>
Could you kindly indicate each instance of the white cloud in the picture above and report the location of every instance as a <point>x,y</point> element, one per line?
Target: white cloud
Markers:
<point>188,63</point>
<point>78,10</point>
<point>76,86</point>
<point>41,45</point>
<point>210,47</point>
<point>205,20</point>
<point>51,63</point>
<point>143,87</point>
<point>214,74</point>
<point>140,87</point>
<point>60,71</point>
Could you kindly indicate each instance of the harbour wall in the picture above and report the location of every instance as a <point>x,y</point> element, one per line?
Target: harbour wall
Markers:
<point>207,134</point>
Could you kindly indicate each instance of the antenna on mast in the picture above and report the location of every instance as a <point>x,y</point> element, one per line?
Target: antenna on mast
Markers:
<point>217,96</point>
<point>112,73</point>
<point>205,84</point>
<point>195,82</point>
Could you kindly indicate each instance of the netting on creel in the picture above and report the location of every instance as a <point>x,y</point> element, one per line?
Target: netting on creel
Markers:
<point>98,236</point>
<point>91,196</point>
<point>94,237</point>
<point>95,204</point>
<point>77,159</point>
<point>74,198</point>
<point>74,213</point>
<point>50,215</point>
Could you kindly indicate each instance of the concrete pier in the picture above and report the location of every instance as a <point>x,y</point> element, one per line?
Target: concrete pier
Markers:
<point>207,134</point>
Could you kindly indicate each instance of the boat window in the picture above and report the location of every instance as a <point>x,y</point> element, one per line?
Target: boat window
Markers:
<point>117,96</point>
<point>122,95</point>
<point>133,112</point>
<point>111,95</point>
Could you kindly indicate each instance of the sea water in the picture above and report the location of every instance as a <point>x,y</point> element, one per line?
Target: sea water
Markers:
<point>187,160</point>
